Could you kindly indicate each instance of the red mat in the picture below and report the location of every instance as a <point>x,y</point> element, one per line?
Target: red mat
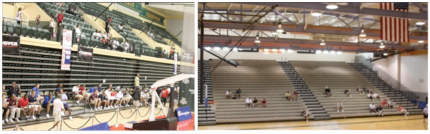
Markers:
<point>183,125</point>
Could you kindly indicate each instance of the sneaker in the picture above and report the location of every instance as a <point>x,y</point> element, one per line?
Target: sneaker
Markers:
<point>11,120</point>
<point>17,120</point>
<point>307,120</point>
<point>62,113</point>
<point>127,105</point>
<point>47,115</point>
<point>6,120</point>
<point>77,102</point>
<point>34,118</point>
<point>70,117</point>
<point>37,116</point>
<point>407,113</point>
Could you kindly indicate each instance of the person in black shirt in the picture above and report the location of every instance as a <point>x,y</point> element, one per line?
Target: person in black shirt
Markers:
<point>136,97</point>
<point>238,91</point>
<point>379,110</point>
<point>60,86</point>
<point>255,102</point>
<point>327,91</point>
<point>107,25</point>
<point>14,89</point>
<point>348,93</point>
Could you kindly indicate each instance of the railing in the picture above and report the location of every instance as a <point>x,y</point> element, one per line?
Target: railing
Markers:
<point>387,78</point>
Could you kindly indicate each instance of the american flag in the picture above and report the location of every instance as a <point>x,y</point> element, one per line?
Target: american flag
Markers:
<point>394,29</point>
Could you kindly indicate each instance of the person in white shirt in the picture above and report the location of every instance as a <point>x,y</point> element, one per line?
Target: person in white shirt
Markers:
<point>76,94</point>
<point>119,99</point>
<point>99,35</point>
<point>151,35</point>
<point>339,106</point>
<point>228,94</point>
<point>120,28</point>
<point>126,46</point>
<point>58,109</point>
<point>18,16</point>
<point>115,44</point>
<point>110,97</point>
<point>369,96</point>
<point>372,108</point>
<point>425,113</point>
<point>144,96</point>
<point>127,98</point>
<point>375,95</point>
<point>305,113</point>
<point>78,31</point>
<point>94,35</point>
<point>105,35</point>
<point>64,99</point>
<point>248,102</point>
<point>52,25</point>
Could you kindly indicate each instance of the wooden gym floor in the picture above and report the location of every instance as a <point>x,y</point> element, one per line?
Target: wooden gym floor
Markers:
<point>412,122</point>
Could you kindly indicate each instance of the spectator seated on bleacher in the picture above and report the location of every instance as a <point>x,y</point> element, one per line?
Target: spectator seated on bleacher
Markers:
<point>255,102</point>
<point>95,35</point>
<point>228,94</point>
<point>71,11</point>
<point>401,109</point>
<point>39,98</point>
<point>119,99</point>
<point>127,97</point>
<point>47,103</point>
<point>369,96</point>
<point>76,95</point>
<point>95,100</point>
<point>372,108</point>
<point>120,29</point>
<point>14,90</point>
<point>384,104</point>
<point>5,109</point>
<point>23,106</point>
<point>104,101</point>
<point>64,99</point>
<point>111,98</point>
<point>340,106</point>
<point>238,92</point>
<point>348,93</point>
<point>327,91</point>
<point>32,102</point>
<point>92,90</point>
<point>296,96</point>
<point>105,44</point>
<point>379,110</point>
<point>390,104</point>
<point>248,102</point>
<point>59,87</point>
<point>375,95</point>
<point>144,96</point>
<point>305,113</point>
<point>288,95</point>
<point>126,46</point>
<point>13,107</point>
<point>264,102</point>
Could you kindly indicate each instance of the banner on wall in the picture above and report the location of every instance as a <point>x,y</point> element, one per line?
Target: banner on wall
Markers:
<point>85,54</point>
<point>183,113</point>
<point>176,64</point>
<point>145,13</point>
<point>333,37</point>
<point>67,49</point>
<point>186,94</point>
<point>11,44</point>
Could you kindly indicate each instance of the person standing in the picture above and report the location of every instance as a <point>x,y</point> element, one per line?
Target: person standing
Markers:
<point>176,96</point>
<point>60,18</point>
<point>136,97</point>
<point>37,21</point>
<point>58,109</point>
<point>51,26</point>
<point>425,112</point>
<point>136,81</point>
<point>18,16</point>
<point>107,25</point>
<point>164,95</point>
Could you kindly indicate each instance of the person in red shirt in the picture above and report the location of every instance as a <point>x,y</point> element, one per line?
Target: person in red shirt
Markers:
<point>400,109</point>
<point>60,18</point>
<point>164,95</point>
<point>263,102</point>
<point>23,105</point>
<point>384,103</point>
<point>82,89</point>
<point>296,95</point>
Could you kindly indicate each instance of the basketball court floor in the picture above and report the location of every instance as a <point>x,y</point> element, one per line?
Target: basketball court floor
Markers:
<point>412,122</point>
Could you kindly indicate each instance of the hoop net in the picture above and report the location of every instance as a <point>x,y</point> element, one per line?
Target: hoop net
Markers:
<point>213,105</point>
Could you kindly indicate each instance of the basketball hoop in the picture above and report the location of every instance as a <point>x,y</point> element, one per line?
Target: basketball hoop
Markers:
<point>213,105</point>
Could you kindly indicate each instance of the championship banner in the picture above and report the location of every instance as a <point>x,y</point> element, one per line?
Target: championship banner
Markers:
<point>11,44</point>
<point>67,49</point>
<point>85,54</point>
<point>186,96</point>
<point>145,13</point>
<point>176,64</point>
<point>183,113</point>
<point>333,37</point>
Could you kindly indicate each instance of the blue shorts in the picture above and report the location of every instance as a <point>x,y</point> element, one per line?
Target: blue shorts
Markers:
<point>45,106</point>
<point>66,106</point>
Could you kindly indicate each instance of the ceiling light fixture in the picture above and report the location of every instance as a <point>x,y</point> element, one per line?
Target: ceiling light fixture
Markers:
<point>318,51</point>
<point>279,30</point>
<point>265,50</point>
<point>225,48</point>
<point>235,49</point>
<point>257,40</point>
<point>282,50</point>
<point>316,14</point>
<point>208,48</point>
<point>275,50</point>
<point>325,52</point>
<point>331,6</point>
<point>420,41</point>
<point>332,52</point>
<point>420,23</point>
<point>217,48</point>
<point>339,52</point>
<point>322,43</point>
<point>385,54</point>
<point>382,46</point>
<point>290,51</point>
<point>362,34</point>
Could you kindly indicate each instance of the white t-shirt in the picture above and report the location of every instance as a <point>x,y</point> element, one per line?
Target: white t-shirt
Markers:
<point>120,27</point>
<point>98,35</point>
<point>78,31</point>
<point>51,24</point>
<point>389,102</point>
<point>339,104</point>
<point>227,93</point>
<point>94,34</point>
<point>64,98</point>
<point>115,43</point>
<point>105,35</point>
<point>58,105</point>
<point>375,95</point>
<point>108,95</point>
<point>248,100</point>
<point>126,45</point>
<point>372,106</point>
<point>368,95</point>
<point>18,16</point>
<point>119,95</point>
<point>75,89</point>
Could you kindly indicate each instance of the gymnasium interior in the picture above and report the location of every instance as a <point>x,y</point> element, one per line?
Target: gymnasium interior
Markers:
<point>152,31</point>
<point>267,49</point>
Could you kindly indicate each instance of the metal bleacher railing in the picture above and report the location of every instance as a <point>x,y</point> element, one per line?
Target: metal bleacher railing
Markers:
<point>393,83</point>
<point>10,26</point>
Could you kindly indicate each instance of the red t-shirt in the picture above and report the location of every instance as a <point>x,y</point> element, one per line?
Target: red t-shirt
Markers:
<point>81,90</point>
<point>165,93</point>
<point>104,40</point>
<point>263,101</point>
<point>384,102</point>
<point>400,108</point>
<point>23,102</point>
<point>113,94</point>
<point>60,18</point>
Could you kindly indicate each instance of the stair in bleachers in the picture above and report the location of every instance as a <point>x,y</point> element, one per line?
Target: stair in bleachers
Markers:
<point>206,114</point>
<point>255,78</point>
<point>305,93</point>
<point>339,76</point>
<point>394,95</point>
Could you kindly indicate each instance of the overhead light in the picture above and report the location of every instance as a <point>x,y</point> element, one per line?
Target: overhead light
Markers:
<point>274,33</point>
<point>331,6</point>
<point>232,30</point>
<point>382,45</point>
<point>225,48</point>
<point>279,30</point>
<point>316,14</point>
<point>217,48</point>
<point>266,50</point>
<point>325,52</point>
<point>318,51</point>
<point>420,41</point>
<point>275,50</point>
<point>362,34</point>
<point>257,40</point>
<point>385,54</point>
<point>290,51</point>
<point>420,23</point>
<point>322,43</point>
<point>240,49</point>
<point>339,52</point>
<point>332,52</point>
<point>208,48</point>
<point>282,50</point>
<point>235,49</point>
